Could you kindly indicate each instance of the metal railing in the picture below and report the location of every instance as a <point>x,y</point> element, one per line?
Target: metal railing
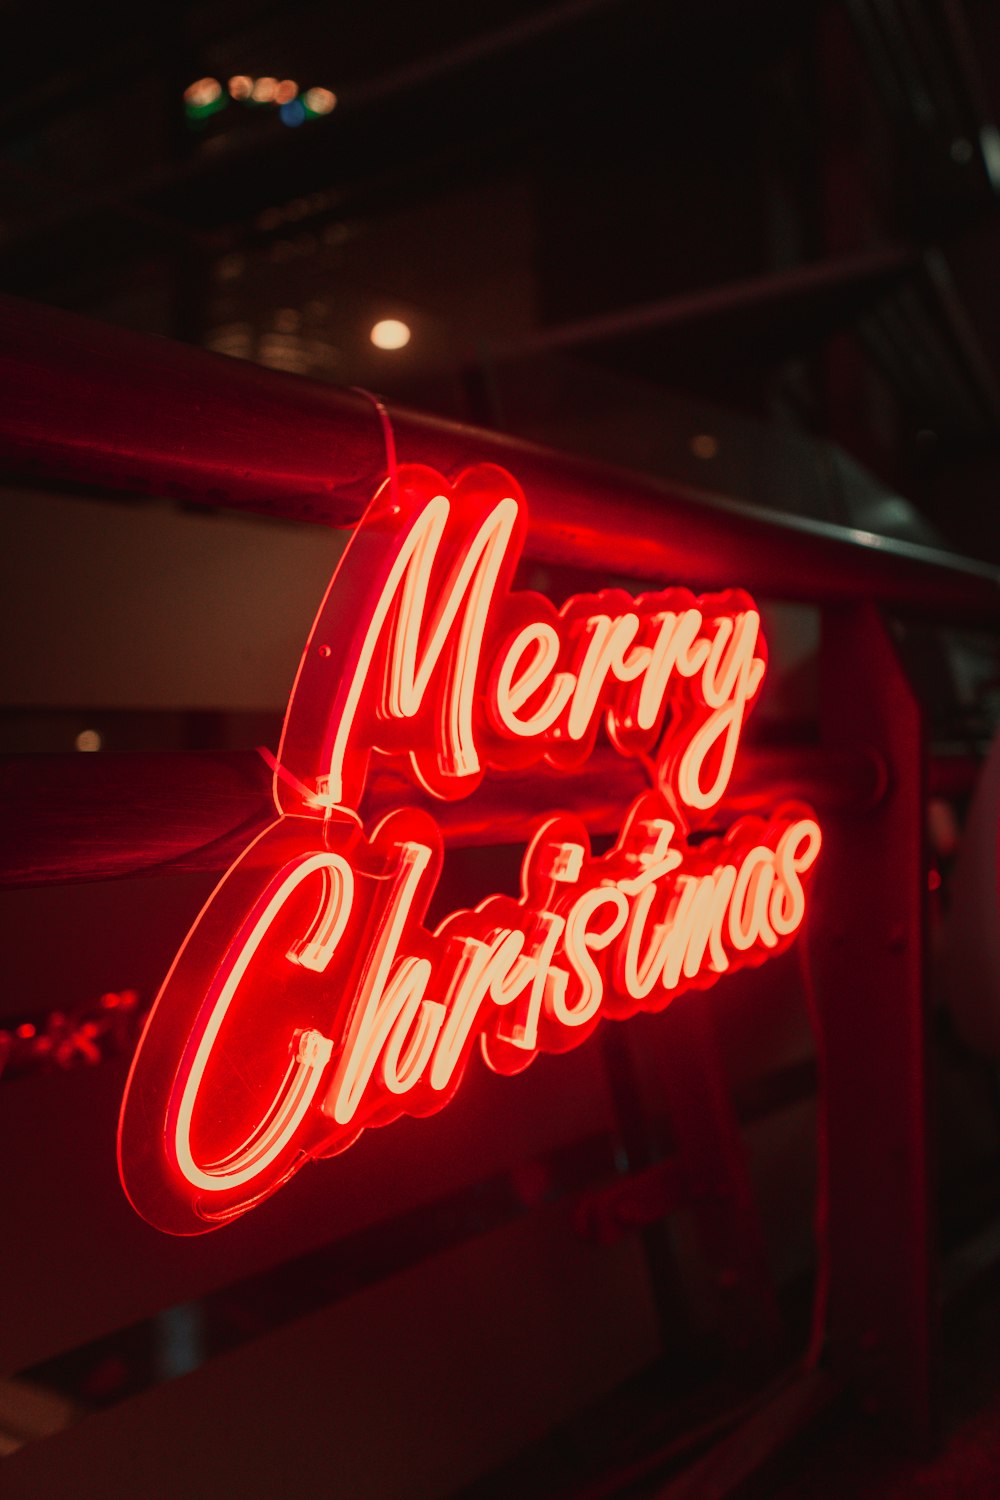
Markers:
<point>100,406</point>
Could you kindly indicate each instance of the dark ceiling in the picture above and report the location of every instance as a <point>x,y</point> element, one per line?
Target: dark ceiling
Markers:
<point>742,225</point>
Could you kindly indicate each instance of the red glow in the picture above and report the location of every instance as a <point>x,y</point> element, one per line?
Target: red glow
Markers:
<point>310,1000</point>
<point>448,666</point>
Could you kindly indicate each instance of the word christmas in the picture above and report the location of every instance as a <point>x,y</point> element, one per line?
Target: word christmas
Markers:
<point>310,1000</point>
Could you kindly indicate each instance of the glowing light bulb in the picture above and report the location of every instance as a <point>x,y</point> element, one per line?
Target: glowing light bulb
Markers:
<point>264,90</point>
<point>240,86</point>
<point>204,92</point>
<point>88,739</point>
<point>319,101</point>
<point>390,333</point>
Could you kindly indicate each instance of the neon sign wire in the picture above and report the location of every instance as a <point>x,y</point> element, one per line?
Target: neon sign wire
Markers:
<point>310,1000</point>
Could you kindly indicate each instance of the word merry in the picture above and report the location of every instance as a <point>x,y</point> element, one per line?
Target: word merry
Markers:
<point>421,648</point>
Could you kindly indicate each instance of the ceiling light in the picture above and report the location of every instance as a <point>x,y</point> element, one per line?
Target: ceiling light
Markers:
<point>390,333</point>
<point>319,101</point>
<point>203,93</point>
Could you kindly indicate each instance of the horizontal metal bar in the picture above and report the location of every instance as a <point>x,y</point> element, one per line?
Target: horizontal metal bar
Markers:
<point>100,406</point>
<point>96,817</point>
<point>867,272</point>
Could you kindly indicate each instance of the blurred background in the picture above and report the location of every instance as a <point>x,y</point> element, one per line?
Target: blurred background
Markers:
<point>749,250</point>
<point>604,222</point>
<point>746,249</point>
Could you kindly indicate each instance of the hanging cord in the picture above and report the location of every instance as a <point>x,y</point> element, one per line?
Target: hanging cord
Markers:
<point>310,797</point>
<point>388,439</point>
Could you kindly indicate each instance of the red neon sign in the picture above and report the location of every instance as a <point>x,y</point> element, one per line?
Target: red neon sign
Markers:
<point>310,1000</point>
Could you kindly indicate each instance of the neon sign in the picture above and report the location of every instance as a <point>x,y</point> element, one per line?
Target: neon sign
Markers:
<point>310,1000</point>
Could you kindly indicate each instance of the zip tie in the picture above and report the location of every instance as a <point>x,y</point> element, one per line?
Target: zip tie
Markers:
<point>310,797</point>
